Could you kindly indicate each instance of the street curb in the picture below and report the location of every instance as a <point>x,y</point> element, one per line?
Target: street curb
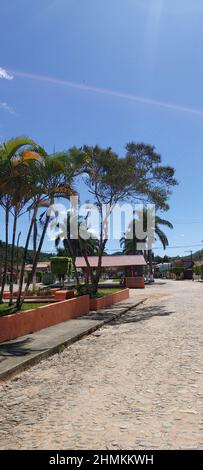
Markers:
<point>38,357</point>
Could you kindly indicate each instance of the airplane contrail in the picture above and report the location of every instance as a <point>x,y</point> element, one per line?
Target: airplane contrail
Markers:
<point>109,92</point>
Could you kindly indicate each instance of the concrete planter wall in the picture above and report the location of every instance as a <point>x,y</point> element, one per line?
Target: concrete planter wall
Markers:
<point>37,298</point>
<point>29,321</point>
<point>107,300</point>
<point>64,295</point>
<point>26,322</point>
<point>56,294</point>
<point>136,282</point>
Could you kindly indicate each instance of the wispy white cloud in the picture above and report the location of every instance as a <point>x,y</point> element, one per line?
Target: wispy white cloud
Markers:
<point>5,75</point>
<point>6,107</point>
<point>113,93</point>
<point>172,7</point>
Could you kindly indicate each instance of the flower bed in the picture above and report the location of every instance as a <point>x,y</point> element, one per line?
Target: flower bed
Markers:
<point>110,299</point>
<point>26,322</point>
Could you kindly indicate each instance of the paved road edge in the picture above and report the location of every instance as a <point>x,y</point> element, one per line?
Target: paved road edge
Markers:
<point>40,356</point>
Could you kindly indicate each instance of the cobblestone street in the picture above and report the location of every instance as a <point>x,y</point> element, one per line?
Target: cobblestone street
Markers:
<point>136,383</point>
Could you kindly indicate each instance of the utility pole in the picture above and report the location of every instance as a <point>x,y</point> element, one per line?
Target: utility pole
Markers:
<point>134,242</point>
<point>191,255</point>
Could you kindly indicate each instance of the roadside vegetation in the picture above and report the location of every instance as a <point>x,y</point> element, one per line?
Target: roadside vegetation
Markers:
<point>6,310</point>
<point>32,180</point>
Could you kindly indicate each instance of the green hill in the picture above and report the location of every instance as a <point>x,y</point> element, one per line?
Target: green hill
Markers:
<point>19,254</point>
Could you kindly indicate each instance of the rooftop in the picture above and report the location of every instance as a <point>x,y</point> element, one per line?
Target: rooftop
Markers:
<point>112,261</point>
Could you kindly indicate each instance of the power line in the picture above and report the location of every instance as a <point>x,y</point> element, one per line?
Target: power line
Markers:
<point>170,247</point>
<point>178,246</point>
<point>155,248</point>
<point>188,223</point>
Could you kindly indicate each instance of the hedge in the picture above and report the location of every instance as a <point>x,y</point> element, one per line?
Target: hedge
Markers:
<point>61,265</point>
<point>177,270</point>
<point>47,279</point>
<point>198,270</point>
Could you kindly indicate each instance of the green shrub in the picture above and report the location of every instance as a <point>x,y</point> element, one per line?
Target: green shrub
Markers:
<point>85,289</point>
<point>61,265</point>
<point>47,278</point>
<point>43,291</point>
<point>198,270</point>
<point>39,276</point>
<point>177,270</point>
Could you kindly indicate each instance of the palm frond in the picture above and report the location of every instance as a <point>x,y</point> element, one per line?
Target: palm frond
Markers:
<point>162,237</point>
<point>13,145</point>
<point>160,221</point>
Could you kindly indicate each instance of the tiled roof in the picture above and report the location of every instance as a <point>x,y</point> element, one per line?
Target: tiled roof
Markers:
<point>112,261</point>
<point>40,265</point>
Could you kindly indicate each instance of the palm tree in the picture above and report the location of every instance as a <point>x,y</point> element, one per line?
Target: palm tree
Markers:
<point>20,191</point>
<point>53,180</point>
<point>11,164</point>
<point>159,233</point>
<point>129,243</point>
<point>78,246</point>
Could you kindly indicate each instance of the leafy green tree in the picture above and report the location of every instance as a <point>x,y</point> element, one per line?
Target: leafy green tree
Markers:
<point>81,246</point>
<point>139,176</point>
<point>153,181</point>
<point>61,266</point>
<point>109,180</point>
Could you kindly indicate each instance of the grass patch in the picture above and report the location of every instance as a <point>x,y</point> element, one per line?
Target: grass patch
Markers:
<point>109,290</point>
<point>102,292</point>
<point>6,310</point>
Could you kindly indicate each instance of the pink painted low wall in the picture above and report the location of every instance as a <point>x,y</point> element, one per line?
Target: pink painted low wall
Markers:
<point>136,282</point>
<point>107,300</point>
<point>56,294</point>
<point>37,298</point>
<point>64,295</point>
<point>26,322</point>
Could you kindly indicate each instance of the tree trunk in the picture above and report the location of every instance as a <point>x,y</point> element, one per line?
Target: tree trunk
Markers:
<point>102,244</point>
<point>86,276</point>
<point>6,253</point>
<point>88,271</point>
<point>97,277</point>
<point>73,261</point>
<point>35,261</point>
<point>12,256</point>
<point>151,274</point>
<point>17,258</point>
<point>22,272</point>
<point>34,253</point>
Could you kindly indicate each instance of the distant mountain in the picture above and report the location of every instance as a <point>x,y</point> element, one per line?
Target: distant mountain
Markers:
<point>198,255</point>
<point>19,254</point>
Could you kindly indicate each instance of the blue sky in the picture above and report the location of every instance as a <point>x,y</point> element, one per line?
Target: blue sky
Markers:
<point>109,72</point>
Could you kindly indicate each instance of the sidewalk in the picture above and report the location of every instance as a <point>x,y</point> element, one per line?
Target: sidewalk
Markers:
<point>23,352</point>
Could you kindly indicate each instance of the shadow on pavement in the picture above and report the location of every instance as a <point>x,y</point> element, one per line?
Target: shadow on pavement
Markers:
<point>105,314</point>
<point>156,283</point>
<point>143,314</point>
<point>15,348</point>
